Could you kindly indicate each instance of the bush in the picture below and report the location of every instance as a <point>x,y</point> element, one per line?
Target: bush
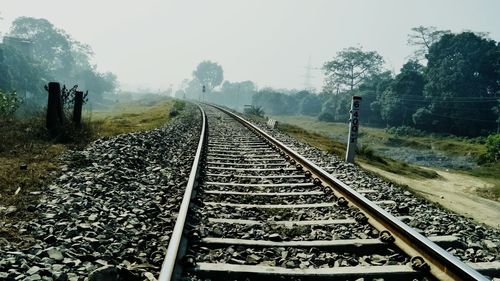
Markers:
<point>179,105</point>
<point>405,131</point>
<point>255,111</point>
<point>326,116</point>
<point>493,148</point>
<point>9,103</point>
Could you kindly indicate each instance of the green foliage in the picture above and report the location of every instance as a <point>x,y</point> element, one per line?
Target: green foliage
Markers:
<point>350,67</point>
<point>209,74</point>
<point>371,90</point>
<point>179,105</point>
<point>9,103</point>
<point>462,87</point>
<point>310,105</point>
<point>272,102</point>
<point>422,38</point>
<point>52,54</point>
<point>368,153</point>
<point>405,131</point>
<point>336,108</point>
<point>493,148</point>
<point>326,116</point>
<point>21,73</point>
<point>399,101</point>
<point>255,111</point>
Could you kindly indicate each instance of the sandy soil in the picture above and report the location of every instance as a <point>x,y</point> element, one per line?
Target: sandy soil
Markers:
<point>453,191</point>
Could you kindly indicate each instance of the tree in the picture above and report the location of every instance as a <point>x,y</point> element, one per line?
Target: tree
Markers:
<point>20,73</point>
<point>493,148</point>
<point>62,57</point>
<point>310,105</point>
<point>209,74</point>
<point>404,96</point>
<point>463,84</point>
<point>272,102</point>
<point>371,90</point>
<point>5,76</point>
<point>51,46</point>
<point>422,38</point>
<point>350,67</point>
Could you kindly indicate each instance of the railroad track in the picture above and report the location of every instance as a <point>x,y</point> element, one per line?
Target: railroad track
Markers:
<point>255,209</point>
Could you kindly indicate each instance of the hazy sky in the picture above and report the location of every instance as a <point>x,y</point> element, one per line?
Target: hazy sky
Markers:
<point>155,43</point>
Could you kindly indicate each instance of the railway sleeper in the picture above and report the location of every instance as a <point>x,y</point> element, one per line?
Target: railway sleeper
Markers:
<point>218,271</point>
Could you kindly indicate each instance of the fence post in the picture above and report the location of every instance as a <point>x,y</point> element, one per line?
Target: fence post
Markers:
<point>54,107</point>
<point>353,129</point>
<point>77,109</point>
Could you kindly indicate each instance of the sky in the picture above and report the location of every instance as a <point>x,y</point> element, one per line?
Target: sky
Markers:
<point>157,43</point>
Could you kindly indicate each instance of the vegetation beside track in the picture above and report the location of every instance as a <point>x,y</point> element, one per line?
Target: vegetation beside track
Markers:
<point>326,135</point>
<point>365,154</point>
<point>30,159</point>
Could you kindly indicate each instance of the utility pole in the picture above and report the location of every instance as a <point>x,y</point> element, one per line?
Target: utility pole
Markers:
<point>353,129</point>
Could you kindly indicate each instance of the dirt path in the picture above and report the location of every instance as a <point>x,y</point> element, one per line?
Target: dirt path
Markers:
<point>453,191</point>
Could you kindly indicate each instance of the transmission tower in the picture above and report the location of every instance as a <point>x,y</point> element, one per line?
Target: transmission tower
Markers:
<point>308,76</point>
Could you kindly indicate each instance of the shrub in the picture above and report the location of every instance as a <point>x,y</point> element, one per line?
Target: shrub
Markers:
<point>326,116</point>
<point>179,105</point>
<point>9,103</point>
<point>255,110</point>
<point>405,131</point>
<point>493,148</point>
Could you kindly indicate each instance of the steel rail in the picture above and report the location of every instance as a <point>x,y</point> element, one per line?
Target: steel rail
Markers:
<point>442,264</point>
<point>177,245</point>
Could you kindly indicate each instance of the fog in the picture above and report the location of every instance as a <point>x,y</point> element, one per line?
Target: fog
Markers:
<point>156,44</point>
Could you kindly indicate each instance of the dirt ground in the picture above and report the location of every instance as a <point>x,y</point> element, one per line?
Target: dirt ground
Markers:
<point>453,191</point>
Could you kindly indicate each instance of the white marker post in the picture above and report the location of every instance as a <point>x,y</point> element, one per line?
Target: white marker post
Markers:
<point>353,129</point>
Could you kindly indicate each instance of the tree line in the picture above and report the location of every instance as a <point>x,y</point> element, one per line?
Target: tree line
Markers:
<point>35,52</point>
<point>451,85</point>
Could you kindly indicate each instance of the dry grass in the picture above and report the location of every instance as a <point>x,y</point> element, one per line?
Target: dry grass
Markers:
<point>30,159</point>
<point>365,155</point>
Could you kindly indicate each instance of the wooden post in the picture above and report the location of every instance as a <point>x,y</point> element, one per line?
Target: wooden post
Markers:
<point>54,107</point>
<point>353,129</point>
<point>77,109</point>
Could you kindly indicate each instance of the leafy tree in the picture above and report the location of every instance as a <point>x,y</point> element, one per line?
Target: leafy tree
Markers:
<point>493,148</point>
<point>272,102</point>
<point>423,119</point>
<point>20,73</point>
<point>62,57</point>
<point>405,95</point>
<point>209,74</point>
<point>350,67</point>
<point>371,90</point>
<point>234,88</point>
<point>51,46</point>
<point>336,108</point>
<point>192,88</point>
<point>9,103</point>
<point>96,83</point>
<point>310,105</point>
<point>463,84</point>
<point>5,76</point>
<point>422,38</point>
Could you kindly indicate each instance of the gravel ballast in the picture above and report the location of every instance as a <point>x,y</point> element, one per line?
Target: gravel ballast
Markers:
<point>481,243</point>
<point>110,214</point>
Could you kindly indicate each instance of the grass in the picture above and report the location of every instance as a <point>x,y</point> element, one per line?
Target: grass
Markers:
<point>490,173</point>
<point>378,137</point>
<point>130,117</point>
<point>325,136</point>
<point>365,154</point>
<point>30,158</point>
<point>315,139</point>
